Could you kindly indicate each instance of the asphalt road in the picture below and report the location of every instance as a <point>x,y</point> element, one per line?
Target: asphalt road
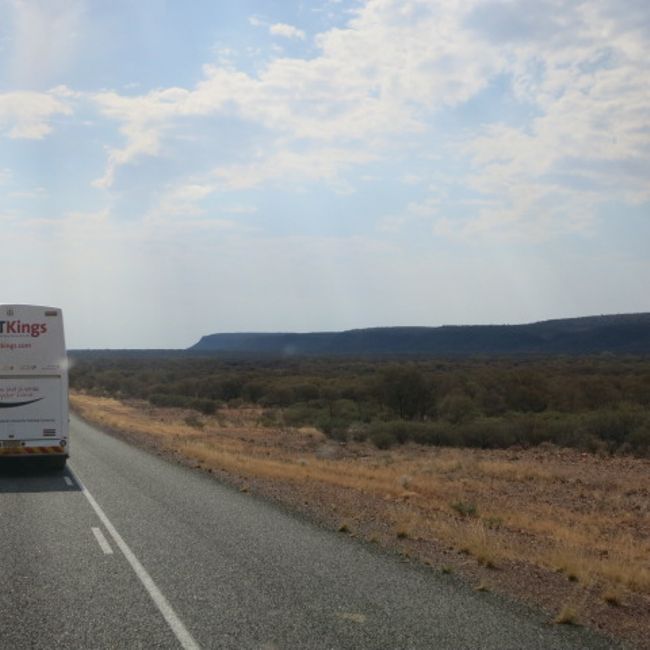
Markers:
<point>126,550</point>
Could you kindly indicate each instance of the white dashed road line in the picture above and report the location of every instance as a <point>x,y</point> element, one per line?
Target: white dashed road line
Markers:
<point>68,481</point>
<point>101,540</point>
<point>180,631</point>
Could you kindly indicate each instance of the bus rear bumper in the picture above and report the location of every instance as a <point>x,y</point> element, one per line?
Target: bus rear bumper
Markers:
<point>30,458</point>
<point>30,449</point>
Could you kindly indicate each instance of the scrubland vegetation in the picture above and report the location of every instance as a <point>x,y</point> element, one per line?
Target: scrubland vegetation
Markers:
<point>599,404</point>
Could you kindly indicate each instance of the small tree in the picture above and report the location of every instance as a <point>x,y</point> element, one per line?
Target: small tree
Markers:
<point>404,389</point>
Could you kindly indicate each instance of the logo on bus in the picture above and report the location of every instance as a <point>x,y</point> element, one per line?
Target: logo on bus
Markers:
<point>18,327</point>
<point>13,405</point>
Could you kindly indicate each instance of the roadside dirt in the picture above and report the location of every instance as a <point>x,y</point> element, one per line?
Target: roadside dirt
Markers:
<point>560,530</point>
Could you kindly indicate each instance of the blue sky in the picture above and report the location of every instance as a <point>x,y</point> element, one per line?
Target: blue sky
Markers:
<point>172,169</point>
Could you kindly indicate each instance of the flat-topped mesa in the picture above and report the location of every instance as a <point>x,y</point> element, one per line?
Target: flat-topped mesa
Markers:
<point>615,334</point>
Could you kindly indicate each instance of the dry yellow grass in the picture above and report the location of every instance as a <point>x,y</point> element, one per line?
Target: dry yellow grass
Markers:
<point>584,516</point>
<point>613,595</point>
<point>567,616</point>
<point>519,471</point>
<point>482,544</point>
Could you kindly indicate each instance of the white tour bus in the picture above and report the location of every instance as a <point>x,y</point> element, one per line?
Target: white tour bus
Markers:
<point>33,384</point>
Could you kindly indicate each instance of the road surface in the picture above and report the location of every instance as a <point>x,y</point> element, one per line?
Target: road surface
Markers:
<point>127,550</point>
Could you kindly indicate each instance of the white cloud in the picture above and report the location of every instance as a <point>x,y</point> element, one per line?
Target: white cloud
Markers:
<point>574,71</point>
<point>278,29</point>
<point>287,31</point>
<point>28,115</point>
<point>381,76</point>
<point>184,199</point>
<point>143,121</point>
<point>589,142</point>
<point>290,169</point>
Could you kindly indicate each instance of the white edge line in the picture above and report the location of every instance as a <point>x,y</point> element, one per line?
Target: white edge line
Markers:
<point>101,540</point>
<point>180,631</point>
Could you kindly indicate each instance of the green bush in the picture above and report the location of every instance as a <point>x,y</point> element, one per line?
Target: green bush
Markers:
<point>613,426</point>
<point>334,428</point>
<point>252,391</point>
<point>639,439</point>
<point>457,407</point>
<point>345,409</point>
<point>305,392</point>
<point>302,414</point>
<point>269,418</point>
<point>465,508</point>
<point>277,396</point>
<point>382,438</point>
<point>438,433</point>
<point>169,401</point>
<point>205,406</point>
<point>487,433</point>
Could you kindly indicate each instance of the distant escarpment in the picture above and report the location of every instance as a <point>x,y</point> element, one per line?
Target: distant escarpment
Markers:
<point>615,334</point>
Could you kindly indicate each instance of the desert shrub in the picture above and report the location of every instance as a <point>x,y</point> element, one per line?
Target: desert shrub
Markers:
<point>269,418</point>
<point>358,432</point>
<point>524,428</point>
<point>111,381</point>
<point>402,430</point>
<point>159,389</point>
<point>465,508</point>
<point>405,390</point>
<point>440,434</point>
<point>487,433</point>
<point>345,409</point>
<point>526,392</point>
<point>639,439</point>
<point>231,388</point>
<point>551,427</point>
<point>194,421</point>
<point>596,393</point>
<point>613,426</point>
<point>457,407</point>
<point>395,431</point>
<point>277,396</point>
<point>252,391</point>
<point>205,406</point>
<point>301,414</point>
<point>334,428</point>
<point>491,402</point>
<point>158,399</point>
<point>207,387</point>
<point>305,392</point>
<point>382,438</point>
<point>355,389</point>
